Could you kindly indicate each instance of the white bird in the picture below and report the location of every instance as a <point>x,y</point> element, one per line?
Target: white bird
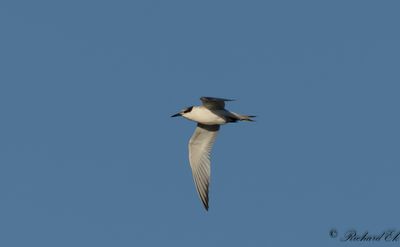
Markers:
<point>209,117</point>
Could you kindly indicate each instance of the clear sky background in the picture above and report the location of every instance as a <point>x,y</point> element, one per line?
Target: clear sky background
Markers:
<point>89,155</point>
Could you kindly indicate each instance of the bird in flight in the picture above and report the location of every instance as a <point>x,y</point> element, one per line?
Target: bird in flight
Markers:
<point>209,116</point>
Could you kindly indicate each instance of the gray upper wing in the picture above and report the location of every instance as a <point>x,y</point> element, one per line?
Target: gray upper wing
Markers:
<point>214,103</point>
<point>200,146</point>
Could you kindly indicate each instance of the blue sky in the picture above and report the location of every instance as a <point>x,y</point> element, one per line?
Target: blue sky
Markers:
<point>90,157</point>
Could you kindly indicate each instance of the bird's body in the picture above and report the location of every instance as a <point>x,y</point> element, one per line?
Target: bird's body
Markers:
<point>209,117</point>
<point>201,114</point>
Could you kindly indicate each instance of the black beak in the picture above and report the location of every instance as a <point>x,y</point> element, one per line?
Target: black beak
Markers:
<point>176,115</point>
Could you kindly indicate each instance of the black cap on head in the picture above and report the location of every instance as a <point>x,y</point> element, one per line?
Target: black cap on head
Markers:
<point>189,109</point>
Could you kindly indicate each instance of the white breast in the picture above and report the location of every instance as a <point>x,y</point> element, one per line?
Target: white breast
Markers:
<point>204,116</point>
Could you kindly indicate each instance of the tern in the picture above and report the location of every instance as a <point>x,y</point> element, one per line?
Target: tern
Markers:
<point>209,116</point>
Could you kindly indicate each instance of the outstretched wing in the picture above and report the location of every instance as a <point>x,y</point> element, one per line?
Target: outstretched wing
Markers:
<point>214,103</point>
<point>200,145</point>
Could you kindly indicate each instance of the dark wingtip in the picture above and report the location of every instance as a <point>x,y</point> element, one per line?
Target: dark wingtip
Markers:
<point>215,98</point>
<point>205,200</point>
<point>251,120</point>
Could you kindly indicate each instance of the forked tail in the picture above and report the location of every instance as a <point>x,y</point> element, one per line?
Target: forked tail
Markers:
<point>245,117</point>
